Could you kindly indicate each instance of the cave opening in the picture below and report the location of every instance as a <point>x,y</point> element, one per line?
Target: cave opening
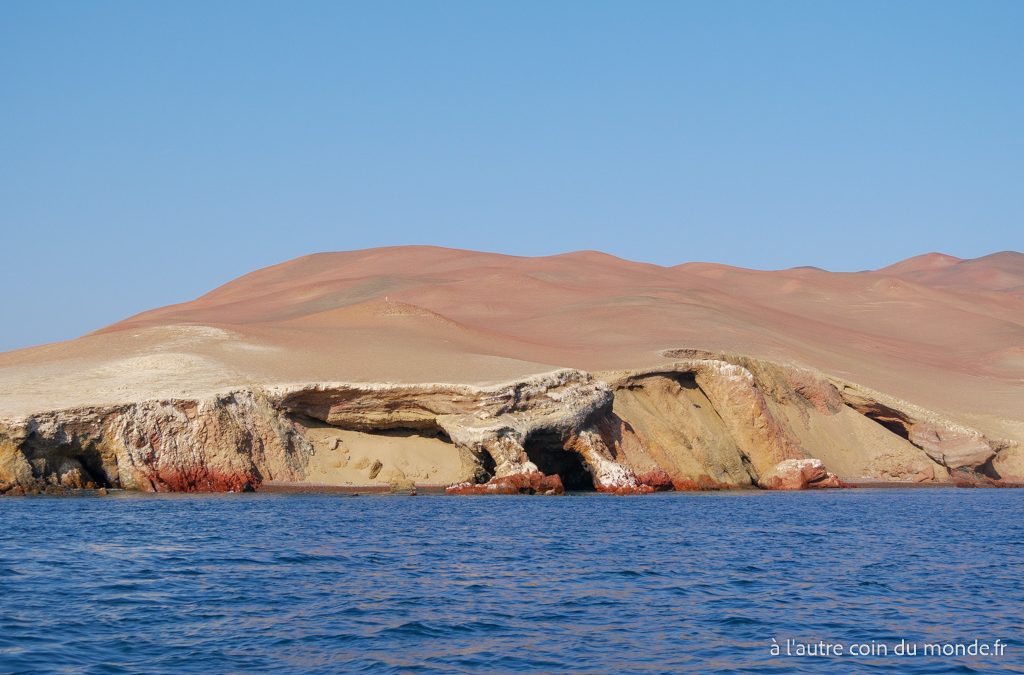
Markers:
<point>545,449</point>
<point>988,469</point>
<point>92,463</point>
<point>487,466</point>
<point>686,381</point>
<point>55,460</point>
<point>892,423</point>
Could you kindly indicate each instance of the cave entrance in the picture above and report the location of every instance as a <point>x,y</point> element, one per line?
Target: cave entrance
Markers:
<point>894,422</point>
<point>545,450</point>
<point>80,464</point>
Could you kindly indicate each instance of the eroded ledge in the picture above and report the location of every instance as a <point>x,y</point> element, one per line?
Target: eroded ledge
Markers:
<point>701,421</point>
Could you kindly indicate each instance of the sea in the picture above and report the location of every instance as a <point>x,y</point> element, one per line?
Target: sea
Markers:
<point>860,580</point>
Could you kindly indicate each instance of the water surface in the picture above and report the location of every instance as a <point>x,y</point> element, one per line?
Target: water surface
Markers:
<point>443,584</point>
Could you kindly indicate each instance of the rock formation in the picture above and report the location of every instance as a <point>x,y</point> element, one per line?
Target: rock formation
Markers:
<point>704,422</point>
<point>238,389</point>
<point>799,474</point>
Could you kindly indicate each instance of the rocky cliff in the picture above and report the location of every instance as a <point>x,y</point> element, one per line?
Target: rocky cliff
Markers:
<point>489,373</point>
<point>699,421</point>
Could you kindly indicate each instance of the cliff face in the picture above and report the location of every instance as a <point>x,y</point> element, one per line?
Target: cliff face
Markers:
<point>216,444</point>
<point>563,374</point>
<point>700,421</point>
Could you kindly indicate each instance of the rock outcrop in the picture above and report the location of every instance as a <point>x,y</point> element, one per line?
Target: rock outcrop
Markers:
<point>529,483</point>
<point>799,474</point>
<point>222,443</point>
<point>699,421</point>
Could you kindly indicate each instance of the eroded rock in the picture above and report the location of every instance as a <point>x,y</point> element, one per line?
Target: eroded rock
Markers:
<point>702,422</point>
<point>799,474</point>
<point>529,483</point>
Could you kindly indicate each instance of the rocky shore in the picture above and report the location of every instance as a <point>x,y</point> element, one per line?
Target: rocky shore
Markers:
<point>700,421</point>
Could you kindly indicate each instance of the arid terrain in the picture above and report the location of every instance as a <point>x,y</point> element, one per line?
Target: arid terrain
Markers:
<point>428,366</point>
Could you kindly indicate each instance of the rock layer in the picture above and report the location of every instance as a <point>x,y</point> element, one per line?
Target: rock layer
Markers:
<point>699,421</point>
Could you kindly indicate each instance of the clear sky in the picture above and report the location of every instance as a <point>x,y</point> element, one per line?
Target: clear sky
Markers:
<point>150,151</point>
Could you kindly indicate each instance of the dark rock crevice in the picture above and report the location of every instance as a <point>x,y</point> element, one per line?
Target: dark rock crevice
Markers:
<point>546,449</point>
<point>989,470</point>
<point>304,421</point>
<point>893,420</point>
<point>72,462</point>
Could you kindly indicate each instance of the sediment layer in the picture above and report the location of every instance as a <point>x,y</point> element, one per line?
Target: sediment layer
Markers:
<point>699,421</point>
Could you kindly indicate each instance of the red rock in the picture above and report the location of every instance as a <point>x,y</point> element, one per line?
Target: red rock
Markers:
<point>529,483</point>
<point>698,484</point>
<point>657,479</point>
<point>966,478</point>
<point>199,479</point>
<point>814,389</point>
<point>630,490</point>
<point>799,474</point>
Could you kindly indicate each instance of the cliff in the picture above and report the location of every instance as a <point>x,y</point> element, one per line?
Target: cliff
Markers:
<point>239,389</point>
<point>703,422</point>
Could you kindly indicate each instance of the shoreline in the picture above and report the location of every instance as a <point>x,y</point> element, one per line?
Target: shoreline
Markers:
<point>282,487</point>
<point>291,488</point>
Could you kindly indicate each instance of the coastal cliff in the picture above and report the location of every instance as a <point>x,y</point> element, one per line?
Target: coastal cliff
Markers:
<point>700,421</point>
<point>483,373</point>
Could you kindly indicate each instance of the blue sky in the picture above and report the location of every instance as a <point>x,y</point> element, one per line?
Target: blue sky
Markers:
<point>151,151</point>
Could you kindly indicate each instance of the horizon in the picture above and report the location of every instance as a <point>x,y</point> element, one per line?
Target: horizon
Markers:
<point>156,151</point>
<point>649,262</point>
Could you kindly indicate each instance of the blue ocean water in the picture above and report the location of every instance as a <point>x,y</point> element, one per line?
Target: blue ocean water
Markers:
<point>589,583</point>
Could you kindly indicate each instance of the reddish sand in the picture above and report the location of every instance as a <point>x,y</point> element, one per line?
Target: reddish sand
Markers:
<point>936,330</point>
